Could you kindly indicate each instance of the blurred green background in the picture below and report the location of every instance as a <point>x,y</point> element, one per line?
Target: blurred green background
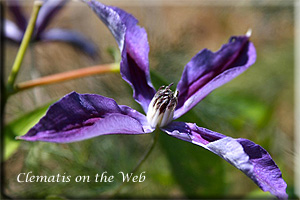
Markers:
<point>257,105</point>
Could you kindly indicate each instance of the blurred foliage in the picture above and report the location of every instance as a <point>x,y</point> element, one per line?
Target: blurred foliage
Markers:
<point>20,127</point>
<point>257,105</point>
<point>192,168</point>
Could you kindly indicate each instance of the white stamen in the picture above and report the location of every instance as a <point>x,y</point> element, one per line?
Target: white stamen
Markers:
<point>162,106</point>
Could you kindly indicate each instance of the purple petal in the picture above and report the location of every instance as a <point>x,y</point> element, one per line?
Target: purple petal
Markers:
<point>134,47</point>
<point>18,14</point>
<point>82,116</point>
<point>207,71</point>
<point>245,155</point>
<point>71,37</point>
<point>49,9</point>
<point>12,32</point>
<point>138,116</point>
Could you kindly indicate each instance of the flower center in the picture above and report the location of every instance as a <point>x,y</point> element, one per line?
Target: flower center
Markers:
<point>162,106</point>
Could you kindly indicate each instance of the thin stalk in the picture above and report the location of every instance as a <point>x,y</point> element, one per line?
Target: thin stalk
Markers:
<point>142,160</point>
<point>24,44</point>
<point>64,76</point>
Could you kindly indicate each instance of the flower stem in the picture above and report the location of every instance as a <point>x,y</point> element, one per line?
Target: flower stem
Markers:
<point>145,156</point>
<point>64,76</point>
<point>24,44</point>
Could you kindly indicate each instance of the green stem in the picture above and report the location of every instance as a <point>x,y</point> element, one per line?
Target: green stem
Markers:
<point>145,156</point>
<point>25,42</point>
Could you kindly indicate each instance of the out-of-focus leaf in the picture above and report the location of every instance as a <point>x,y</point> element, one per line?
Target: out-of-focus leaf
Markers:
<point>259,194</point>
<point>196,170</point>
<point>114,53</point>
<point>55,197</point>
<point>19,127</point>
<point>235,109</point>
<point>157,80</point>
<point>246,108</point>
<point>291,192</point>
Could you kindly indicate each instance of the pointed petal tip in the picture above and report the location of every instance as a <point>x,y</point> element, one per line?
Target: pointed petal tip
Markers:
<point>249,33</point>
<point>25,138</point>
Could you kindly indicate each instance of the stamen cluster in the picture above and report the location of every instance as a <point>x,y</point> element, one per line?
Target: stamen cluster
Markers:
<point>161,108</point>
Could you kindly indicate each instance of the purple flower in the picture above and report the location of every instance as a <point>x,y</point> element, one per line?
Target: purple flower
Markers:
<point>15,31</point>
<point>81,116</point>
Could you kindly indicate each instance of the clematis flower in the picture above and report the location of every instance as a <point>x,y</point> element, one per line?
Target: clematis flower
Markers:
<point>78,117</point>
<point>15,31</point>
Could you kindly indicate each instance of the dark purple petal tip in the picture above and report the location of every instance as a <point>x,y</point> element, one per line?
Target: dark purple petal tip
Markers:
<point>78,117</point>
<point>245,155</point>
<point>209,70</point>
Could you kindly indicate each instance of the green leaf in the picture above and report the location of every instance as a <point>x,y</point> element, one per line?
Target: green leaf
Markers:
<point>19,127</point>
<point>259,194</point>
<point>197,171</point>
<point>114,53</point>
<point>56,197</point>
<point>239,108</point>
<point>157,80</point>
